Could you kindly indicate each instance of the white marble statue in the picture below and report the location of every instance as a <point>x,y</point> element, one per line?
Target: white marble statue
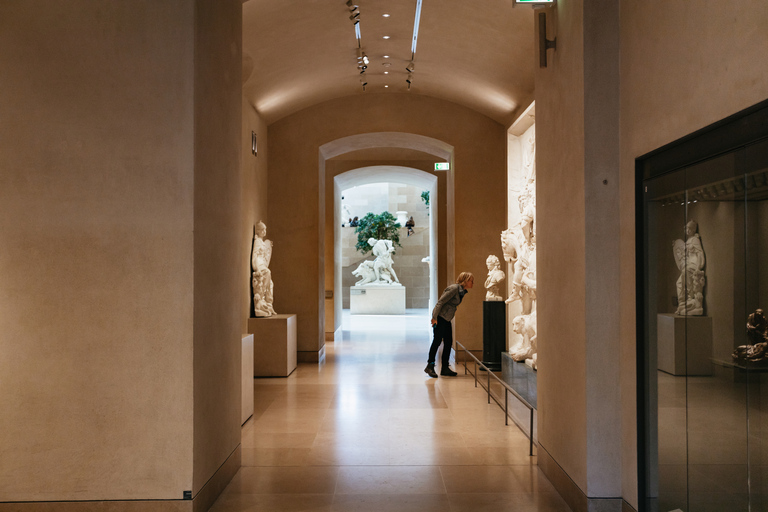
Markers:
<point>261,275</point>
<point>519,246</point>
<point>525,349</point>
<point>690,260</point>
<point>382,265</point>
<point>365,272</point>
<point>495,277</point>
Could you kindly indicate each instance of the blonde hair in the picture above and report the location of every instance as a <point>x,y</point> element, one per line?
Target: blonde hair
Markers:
<point>464,277</point>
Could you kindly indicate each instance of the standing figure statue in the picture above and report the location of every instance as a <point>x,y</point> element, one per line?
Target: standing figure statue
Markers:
<point>495,276</point>
<point>382,265</point>
<point>262,276</point>
<point>689,257</point>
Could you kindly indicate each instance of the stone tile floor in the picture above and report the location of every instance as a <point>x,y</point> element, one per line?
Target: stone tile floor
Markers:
<point>368,430</point>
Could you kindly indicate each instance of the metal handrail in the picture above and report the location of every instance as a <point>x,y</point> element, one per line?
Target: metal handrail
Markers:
<point>507,390</point>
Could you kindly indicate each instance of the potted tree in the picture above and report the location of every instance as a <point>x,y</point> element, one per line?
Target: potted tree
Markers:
<point>383,226</point>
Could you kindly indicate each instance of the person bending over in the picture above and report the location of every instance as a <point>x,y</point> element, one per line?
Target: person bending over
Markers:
<point>442,315</point>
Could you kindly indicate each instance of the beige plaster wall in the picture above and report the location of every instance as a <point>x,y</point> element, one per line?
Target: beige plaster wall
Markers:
<point>217,235</point>
<point>696,69</point>
<point>297,193</point>
<point>560,251</point>
<point>96,266</point>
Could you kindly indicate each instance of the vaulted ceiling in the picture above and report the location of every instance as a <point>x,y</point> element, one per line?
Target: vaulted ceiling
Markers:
<point>297,53</point>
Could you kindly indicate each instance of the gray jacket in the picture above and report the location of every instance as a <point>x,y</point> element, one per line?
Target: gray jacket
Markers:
<point>448,302</point>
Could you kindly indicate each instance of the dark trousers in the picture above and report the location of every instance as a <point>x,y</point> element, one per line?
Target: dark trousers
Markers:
<point>443,333</point>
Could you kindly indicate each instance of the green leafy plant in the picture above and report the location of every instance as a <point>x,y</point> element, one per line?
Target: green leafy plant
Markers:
<point>425,197</point>
<point>381,227</point>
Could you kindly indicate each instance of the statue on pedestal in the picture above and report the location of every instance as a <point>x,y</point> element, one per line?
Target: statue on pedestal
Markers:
<point>495,276</point>
<point>690,260</point>
<point>378,271</point>
<point>261,276</point>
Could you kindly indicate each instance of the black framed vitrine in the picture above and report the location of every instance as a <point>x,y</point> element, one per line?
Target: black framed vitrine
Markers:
<point>702,276</point>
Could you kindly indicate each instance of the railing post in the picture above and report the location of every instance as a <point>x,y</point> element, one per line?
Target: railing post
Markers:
<point>530,436</point>
<point>488,374</point>
<point>506,406</point>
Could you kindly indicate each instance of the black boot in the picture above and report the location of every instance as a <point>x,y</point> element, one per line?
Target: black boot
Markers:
<point>430,370</point>
<point>447,372</point>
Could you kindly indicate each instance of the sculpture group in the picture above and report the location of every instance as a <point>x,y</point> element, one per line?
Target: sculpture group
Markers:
<point>378,271</point>
<point>690,260</point>
<point>519,246</point>
<point>261,276</point>
<point>756,350</point>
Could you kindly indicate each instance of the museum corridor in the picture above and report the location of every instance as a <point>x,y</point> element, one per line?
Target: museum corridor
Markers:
<point>368,430</point>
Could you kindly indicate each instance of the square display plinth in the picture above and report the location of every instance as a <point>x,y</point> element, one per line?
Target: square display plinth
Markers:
<point>274,345</point>
<point>247,379</point>
<point>684,344</point>
<point>374,299</point>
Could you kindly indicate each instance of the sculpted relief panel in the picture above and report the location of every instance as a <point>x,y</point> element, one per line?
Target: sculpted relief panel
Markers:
<point>519,246</point>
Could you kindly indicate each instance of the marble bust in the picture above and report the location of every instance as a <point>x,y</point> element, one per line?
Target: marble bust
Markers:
<point>689,257</point>
<point>495,277</point>
<point>261,277</point>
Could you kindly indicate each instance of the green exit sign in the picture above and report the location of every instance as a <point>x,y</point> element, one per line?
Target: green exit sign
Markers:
<point>442,166</point>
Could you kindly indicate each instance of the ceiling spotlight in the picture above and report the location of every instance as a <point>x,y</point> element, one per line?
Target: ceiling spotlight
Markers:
<point>386,37</point>
<point>355,16</point>
<point>365,60</point>
<point>386,86</point>
<point>385,15</point>
<point>410,67</point>
<point>351,4</point>
<point>386,56</point>
<point>386,72</point>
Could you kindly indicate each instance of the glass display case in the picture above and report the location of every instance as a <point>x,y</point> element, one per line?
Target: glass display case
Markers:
<point>702,274</point>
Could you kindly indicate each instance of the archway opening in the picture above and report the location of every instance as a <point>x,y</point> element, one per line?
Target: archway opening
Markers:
<point>394,158</point>
<point>397,190</point>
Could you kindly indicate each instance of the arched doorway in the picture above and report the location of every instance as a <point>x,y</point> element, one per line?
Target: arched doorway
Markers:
<point>441,219</point>
<point>388,174</point>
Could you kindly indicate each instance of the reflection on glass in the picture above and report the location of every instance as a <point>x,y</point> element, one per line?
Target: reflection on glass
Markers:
<point>707,430</point>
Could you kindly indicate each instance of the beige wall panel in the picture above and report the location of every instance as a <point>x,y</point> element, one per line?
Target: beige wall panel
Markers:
<point>96,200</point>
<point>218,221</point>
<point>560,252</point>
<point>696,69</point>
<point>602,240</point>
<point>295,182</point>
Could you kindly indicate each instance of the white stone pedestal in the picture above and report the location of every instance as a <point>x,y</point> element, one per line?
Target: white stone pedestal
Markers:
<point>377,299</point>
<point>247,379</point>
<point>684,344</point>
<point>274,345</point>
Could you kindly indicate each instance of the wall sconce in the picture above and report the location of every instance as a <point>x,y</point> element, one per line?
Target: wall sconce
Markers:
<point>254,149</point>
<point>544,43</point>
